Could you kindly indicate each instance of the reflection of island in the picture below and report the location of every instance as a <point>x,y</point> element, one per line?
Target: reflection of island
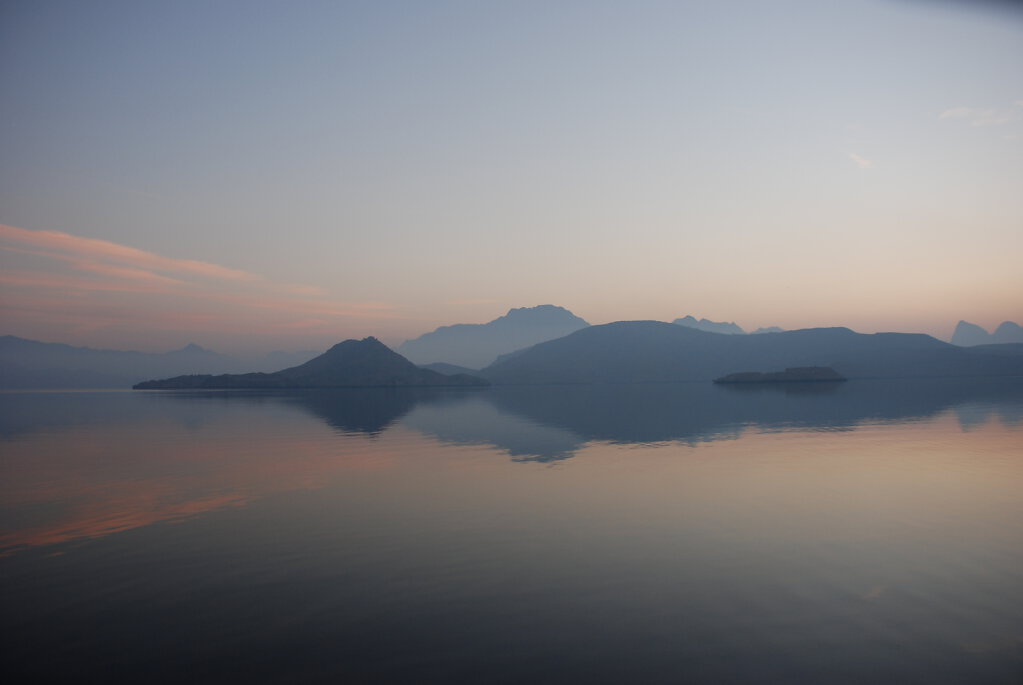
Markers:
<point>120,461</point>
<point>553,422</point>
<point>799,374</point>
<point>478,420</point>
<point>697,412</point>
<point>350,410</point>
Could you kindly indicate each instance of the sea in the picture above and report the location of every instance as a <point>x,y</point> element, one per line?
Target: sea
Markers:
<point>861,532</point>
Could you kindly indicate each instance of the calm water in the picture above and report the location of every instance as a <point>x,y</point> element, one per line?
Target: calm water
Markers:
<point>866,533</point>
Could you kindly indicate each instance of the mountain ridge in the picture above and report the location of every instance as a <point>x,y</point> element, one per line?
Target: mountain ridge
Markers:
<point>474,346</point>
<point>968,334</point>
<point>652,351</point>
<point>26,363</point>
<point>727,327</point>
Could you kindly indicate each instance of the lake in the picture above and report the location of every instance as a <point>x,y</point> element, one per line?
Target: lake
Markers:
<point>861,532</point>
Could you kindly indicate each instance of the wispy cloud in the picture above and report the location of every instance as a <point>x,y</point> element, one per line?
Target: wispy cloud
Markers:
<point>860,161</point>
<point>57,244</point>
<point>72,283</point>
<point>59,277</point>
<point>978,116</point>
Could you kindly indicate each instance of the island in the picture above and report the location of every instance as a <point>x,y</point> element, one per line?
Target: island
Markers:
<point>800,374</point>
<point>362,363</point>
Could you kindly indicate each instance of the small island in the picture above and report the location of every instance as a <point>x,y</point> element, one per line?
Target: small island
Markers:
<point>801,374</point>
<point>366,363</point>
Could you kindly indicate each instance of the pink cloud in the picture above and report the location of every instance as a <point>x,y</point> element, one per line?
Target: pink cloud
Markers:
<point>77,262</point>
<point>39,279</point>
<point>57,243</point>
<point>78,285</point>
<point>89,291</point>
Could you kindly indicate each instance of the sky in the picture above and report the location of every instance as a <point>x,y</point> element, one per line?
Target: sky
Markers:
<point>254,175</point>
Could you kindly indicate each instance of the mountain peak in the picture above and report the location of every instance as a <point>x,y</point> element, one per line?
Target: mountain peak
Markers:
<point>477,345</point>
<point>968,334</point>
<point>727,327</point>
<point>540,308</point>
<point>1008,332</point>
<point>540,315</point>
<point>367,343</point>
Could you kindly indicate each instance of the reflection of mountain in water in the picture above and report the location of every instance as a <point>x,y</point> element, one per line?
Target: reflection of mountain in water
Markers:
<point>975,414</point>
<point>546,423</point>
<point>478,420</point>
<point>553,422</point>
<point>699,412</point>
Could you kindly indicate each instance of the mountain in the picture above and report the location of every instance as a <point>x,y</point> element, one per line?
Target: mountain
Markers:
<point>729,327</point>
<point>352,363</point>
<point>33,364</point>
<point>652,351</point>
<point>968,334</point>
<point>26,364</point>
<point>476,345</point>
<point>1008,332</point>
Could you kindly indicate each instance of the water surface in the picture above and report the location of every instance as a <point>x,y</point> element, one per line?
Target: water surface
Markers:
<point>863,532</point>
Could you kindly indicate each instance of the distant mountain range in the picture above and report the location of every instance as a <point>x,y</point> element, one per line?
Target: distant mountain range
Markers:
<point>33,364</point>
<point>652,351</point>
<point>727,327</point>
<point>352,363</point>
<point>544,344</point>
<point>969,334</point>
<point>474,346</point>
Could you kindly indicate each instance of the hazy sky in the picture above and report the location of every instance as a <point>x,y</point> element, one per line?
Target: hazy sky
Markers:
<point>274,175</point>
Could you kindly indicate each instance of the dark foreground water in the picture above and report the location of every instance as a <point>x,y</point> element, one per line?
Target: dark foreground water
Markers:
<point>866,533</point>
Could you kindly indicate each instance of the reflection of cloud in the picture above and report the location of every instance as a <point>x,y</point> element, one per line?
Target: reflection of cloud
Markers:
<point>107,489</point>
<point>124,511</point>
<point>860,161</point>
